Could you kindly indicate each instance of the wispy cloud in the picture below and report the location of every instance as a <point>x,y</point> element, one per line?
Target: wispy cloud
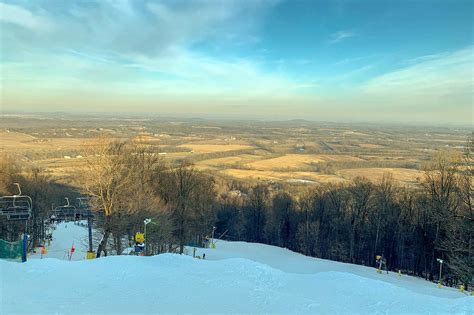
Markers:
<point>150,49</point>
<point>143,53</point>
<point>19,16</point>
<point>433,75</point>
<point>354,60</point>
<point>340,36</point>
<point>182,75</point>
<point>138,27</point>
<point>437,88</point>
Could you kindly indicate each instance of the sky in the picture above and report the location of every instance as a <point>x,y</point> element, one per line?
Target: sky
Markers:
<point>374,61</point>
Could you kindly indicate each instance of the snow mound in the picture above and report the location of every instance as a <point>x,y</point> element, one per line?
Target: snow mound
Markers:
<point>236,277</point>
<point>291,262</point>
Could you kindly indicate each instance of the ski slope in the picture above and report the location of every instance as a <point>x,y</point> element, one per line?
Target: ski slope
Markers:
<point>66,235</point>
<point>236,277</point>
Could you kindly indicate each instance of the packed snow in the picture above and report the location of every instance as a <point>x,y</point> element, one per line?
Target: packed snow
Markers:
<point>236,277</point>
<point>65,236</point>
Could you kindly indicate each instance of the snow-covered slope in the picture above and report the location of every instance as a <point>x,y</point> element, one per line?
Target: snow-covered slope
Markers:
<point>236,277</point>
<point>291,262</point>
<point>65,235</point>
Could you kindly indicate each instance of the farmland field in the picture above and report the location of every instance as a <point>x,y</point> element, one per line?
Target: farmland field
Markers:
<point>296,161</point>
<point>293,152</point>
<point>17,141</point>
<point>227,161</point>
<point>209,148</point>
<point>375,174</point>
<point>294,177</point>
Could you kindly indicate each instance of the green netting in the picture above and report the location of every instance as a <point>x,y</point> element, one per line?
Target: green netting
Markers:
<point>11,250</point>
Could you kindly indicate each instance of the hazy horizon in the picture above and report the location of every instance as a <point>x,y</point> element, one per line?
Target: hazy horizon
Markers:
<point>216,118</point>
<point>267,60</point>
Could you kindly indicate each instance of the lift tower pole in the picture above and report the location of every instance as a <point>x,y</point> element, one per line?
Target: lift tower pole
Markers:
<point>89,227</point>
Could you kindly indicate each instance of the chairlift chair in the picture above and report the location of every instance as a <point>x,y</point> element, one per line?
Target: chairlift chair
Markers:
<point>16,207</point>
<point>83,207</point>
<point>65,212</point>
<point>82,202</point>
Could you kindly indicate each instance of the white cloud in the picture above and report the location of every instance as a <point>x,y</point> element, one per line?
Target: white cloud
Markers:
<point>340,36</point>
<point>19,16</point>
<point>104,52</point>
<point>439,88</point>
<point>124,27</point>
<point>149,48</point>
<point>178,76</point>
<point>433,76</point>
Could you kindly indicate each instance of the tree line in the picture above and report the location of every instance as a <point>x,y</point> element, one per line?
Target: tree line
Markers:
<point>411,227</point>
<point>352,222</point>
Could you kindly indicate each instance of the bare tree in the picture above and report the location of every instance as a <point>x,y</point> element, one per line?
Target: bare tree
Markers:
<point>280,225</point>
<point>440,183</point>
<point>110,177</point>
<point>360,194</point>
<point>255,214</point>
<point>189,196</point>
<point>384,212</point>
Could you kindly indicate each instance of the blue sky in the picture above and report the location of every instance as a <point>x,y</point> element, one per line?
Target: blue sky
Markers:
<point>409,61</point>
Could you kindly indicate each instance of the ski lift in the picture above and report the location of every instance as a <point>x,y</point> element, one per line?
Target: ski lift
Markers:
<point>83,208</point>
<point>65,212</point>
<point>16,207</point>
<point>82,202</point>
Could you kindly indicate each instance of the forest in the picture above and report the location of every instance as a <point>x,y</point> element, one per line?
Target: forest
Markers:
<point>127,181</point>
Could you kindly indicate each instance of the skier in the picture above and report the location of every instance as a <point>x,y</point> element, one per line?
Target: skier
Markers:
<point>43,250</point>
<point>381,262</point>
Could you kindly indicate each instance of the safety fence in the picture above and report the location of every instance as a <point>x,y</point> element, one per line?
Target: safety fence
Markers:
<point>11,250</point>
